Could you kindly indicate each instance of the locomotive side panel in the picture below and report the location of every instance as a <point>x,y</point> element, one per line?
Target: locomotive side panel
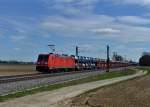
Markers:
<point>52,62</point>
<point>57,62</point>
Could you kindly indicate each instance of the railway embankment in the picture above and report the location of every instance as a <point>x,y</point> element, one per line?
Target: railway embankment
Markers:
<point>50,98</point>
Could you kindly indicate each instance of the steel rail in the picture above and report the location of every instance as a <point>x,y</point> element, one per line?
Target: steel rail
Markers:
<point>15,78</point>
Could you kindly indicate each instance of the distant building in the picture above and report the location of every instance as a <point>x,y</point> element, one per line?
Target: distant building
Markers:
<point>117,57</point>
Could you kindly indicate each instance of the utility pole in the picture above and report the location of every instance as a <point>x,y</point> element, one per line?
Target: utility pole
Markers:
<point>125,61</point>
<point>77,51</point>
<point>108,60</point>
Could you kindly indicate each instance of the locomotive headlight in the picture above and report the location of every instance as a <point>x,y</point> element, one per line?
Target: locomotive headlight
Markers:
<point>38,62</point>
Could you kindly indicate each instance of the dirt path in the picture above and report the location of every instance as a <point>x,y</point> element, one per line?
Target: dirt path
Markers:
<point>51,99</point>
<point>132,93</point>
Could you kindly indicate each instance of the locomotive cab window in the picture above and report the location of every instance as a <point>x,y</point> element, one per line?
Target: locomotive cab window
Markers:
<point>43,58</point>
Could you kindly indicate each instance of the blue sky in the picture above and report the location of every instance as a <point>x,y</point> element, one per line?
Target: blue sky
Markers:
<point>28,26</point>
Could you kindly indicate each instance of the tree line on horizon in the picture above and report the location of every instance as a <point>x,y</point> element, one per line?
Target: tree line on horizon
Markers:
<point>15,62</point>
<point>144,60</point>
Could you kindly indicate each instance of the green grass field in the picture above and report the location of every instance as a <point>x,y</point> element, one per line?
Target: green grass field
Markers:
<point>145,68</point>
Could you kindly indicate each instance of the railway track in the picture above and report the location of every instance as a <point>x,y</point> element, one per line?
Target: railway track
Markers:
<point>15,78</point>
<point>14,83</point>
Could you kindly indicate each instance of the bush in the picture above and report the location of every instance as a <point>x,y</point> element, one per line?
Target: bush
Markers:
<point>145,60</point>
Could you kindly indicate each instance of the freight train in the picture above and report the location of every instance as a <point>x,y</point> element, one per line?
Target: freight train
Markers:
<point>54,62</point>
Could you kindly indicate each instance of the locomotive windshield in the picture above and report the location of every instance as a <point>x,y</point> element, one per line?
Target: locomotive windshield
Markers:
<point>43,58</point>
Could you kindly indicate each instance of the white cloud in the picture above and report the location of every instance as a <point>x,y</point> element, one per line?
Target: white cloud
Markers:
<point>1,34</point>
<point>140,2</point>
<point>100,26</point>
<point>17,49</point>
<point>105,30</point>
<point>71,7</point>
<point>137,2</point>
<point>133,20</point>
<point>18,38</point>
<point>91,2</point>
<point>78,26</point>
<point>81,2</point>
<point>53,25</point>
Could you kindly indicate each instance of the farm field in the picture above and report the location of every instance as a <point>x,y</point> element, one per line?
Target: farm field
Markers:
<point>132,93</point>
<point>16,69</point>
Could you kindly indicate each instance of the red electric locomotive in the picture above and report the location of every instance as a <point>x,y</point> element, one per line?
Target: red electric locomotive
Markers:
<point>54,62</point>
